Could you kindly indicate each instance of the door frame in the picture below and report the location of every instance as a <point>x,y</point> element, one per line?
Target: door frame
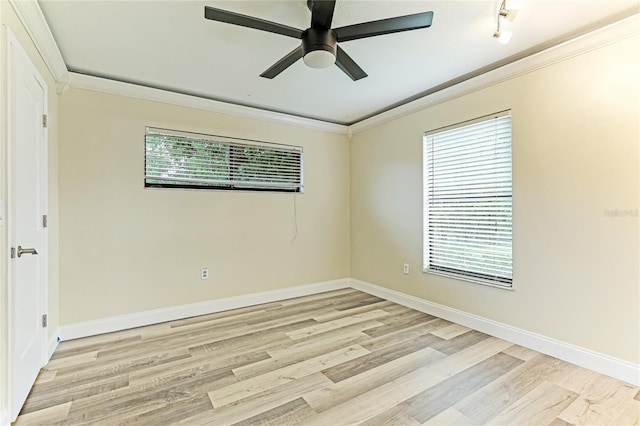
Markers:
<point>11,47</point>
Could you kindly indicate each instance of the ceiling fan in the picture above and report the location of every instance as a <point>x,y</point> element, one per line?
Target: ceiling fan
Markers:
<point>319,48</point>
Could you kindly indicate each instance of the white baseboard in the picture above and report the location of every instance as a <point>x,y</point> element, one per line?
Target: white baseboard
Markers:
<point>53,343</point>
<point>605,364</point>
<point>139,319</point>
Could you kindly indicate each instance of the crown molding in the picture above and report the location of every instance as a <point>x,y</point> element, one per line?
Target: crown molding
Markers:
<point>32,19</point>
<point>82,81</point>
<point>617,31</point>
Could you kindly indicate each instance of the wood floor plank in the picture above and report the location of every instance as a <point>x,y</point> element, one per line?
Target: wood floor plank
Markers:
<point>450,417</point>
<point>91,372</point>
<point>222,315</point>
<point>256,404</point>
<point>307,310</point>
<point>328,305</point>
<point>355,330</point>
<point>297,353</point>
<point>81,346</point>
<point>601,396</point>
<point>397,309</point>
<point>445,394</point>
<point>559,422</point>
<point>459,342</point>
<point>540,406</point>
<point>44,416</point>
<point>46,376</point>
<point>73,360</point>
<point>230,361</point>
<point>451,331</point>
<point>38,400</point>
<point>355,302</point>
<point>337,393</point>
<point>398,322</point>
<point>240,390</point>
<point>213,320</point>
<point>247,342</point>
<point>332,325</point>
<point>404,335</point>
<point>496,397</point>
<point>336,358</point>
<point>396,416</point>
<point>293,412</point>
<point>334,295</point>
<point>171,412</point>
<point>378,358</point>
<point>330,316</point>
<point>523,353</point>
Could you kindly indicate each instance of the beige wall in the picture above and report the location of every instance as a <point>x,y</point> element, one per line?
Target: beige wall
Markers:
<point>9,20</point>
<point>575,155</point>
<point>127,249</point>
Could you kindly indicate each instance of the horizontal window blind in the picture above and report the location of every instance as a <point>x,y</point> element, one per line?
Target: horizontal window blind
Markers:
<point>467,201</point>
<point>192,160</point>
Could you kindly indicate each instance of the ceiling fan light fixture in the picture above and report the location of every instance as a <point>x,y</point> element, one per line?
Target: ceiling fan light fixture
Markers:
<point>319,59</point>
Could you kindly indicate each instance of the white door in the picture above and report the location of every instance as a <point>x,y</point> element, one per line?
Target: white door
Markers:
<point>26,108</point>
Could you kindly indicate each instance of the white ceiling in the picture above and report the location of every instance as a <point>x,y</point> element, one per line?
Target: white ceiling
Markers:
<point>170,45</point>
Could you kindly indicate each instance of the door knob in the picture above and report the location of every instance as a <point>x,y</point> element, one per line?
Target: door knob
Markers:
<point>22,251</point>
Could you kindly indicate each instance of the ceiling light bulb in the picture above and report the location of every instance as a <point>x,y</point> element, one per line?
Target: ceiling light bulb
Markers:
<point>319,59</point>
<point>503,36</point>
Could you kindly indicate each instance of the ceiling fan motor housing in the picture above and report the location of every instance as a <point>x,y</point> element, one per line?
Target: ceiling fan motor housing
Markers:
<point>317,39</point>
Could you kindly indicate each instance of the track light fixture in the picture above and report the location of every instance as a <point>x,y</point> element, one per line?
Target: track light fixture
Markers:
<point>508,14</point>
<point>502,36</point>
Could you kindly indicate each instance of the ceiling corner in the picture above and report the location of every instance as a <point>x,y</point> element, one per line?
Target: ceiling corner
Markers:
<point>31,16</point>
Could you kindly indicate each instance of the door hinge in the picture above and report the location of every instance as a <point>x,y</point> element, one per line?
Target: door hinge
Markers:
<point>44,320</point>
<point>44,221</point>
<point>13,252</point>
<point>44,120</point>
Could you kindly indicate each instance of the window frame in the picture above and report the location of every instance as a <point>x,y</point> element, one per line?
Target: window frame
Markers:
<point>461,274</point>
<point>233,145</point>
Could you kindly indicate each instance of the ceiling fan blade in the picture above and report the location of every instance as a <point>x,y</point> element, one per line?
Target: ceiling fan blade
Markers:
<point>348,65</point>
<point>322,13</point>
<point>250,22</point>
<point>384,26</point>
<point>283,63</point>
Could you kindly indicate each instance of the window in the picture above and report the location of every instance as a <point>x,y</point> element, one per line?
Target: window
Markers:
<point>467,201</point>
<point>190,160</point>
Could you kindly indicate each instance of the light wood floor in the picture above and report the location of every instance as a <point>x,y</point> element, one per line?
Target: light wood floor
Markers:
<point>342,357</point>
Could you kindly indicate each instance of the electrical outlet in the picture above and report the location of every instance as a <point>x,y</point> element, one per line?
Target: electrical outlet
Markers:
<point>204,273</point>
<point>405,269</point>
